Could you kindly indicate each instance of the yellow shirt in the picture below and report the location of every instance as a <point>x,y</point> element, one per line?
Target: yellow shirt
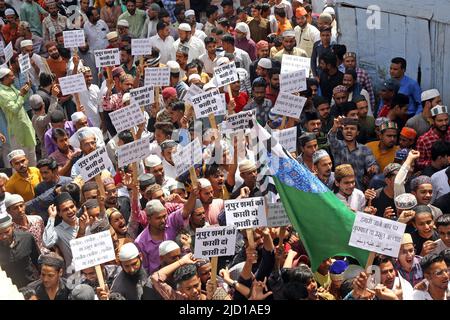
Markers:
<point>383,157</point>
<point>322,280</point>
<point>25,187</point>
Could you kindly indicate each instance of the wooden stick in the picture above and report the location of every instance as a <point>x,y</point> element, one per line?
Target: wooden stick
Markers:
<point>109,73</point>
<point>212,120</point>
<point>101,281</point>
<point>283,123</point>
<point>251,241</point>
<point>193,175</point>
<point>101,187</point>
<point>157,99</point>
<point>187,4</point>
<point>214,261</point>
<point>230,96</point>
<point>370,260</point>
<point>281,235</point>
<point>77,101</point>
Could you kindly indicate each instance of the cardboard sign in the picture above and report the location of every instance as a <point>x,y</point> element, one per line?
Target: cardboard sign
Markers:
<point>214,242</point>
<point>186,157</point>
<point>237,122</point>
<point>294,63</point>
<point>72,84</point>
<point>24,62</point>
<point>225,74</point>
<point>141,47</point>
<point>158,77</point>
<point>293,81</point>
<point>92,250</point>
<point>107,58</point>
<point>94,163</point>
<point>289,105</point>
<point>143,96</point>
<point>193,90</point>
<point>8,51</point>
<point>74,39</point>
<point>287,138</point>
<point>127,117</point>
<point>245,213</point>
<point>277,216</point>
<point>133,152</point>
<point>208,102</point>
<point>377,234</point>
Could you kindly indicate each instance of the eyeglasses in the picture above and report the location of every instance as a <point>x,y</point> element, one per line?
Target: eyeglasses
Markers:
<point>441,272</point>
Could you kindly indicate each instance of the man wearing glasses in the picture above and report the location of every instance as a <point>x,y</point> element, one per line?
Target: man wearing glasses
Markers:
<point>437,276</point>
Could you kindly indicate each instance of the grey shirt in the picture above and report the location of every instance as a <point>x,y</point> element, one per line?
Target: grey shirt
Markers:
<point>418,123</point>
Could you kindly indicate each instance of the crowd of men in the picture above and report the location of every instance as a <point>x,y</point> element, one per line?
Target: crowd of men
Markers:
<point>383,151</point>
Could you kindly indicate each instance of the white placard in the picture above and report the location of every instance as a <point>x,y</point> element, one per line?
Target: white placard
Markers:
<point>208,102</point>
<point>133,152</point>
<point>72,84</point>
<point>225,74</point>
<point>2,48</point>
<point>293,81</point>
<point>291,63</point>
<point>186,157</point>
<point>143,96</point>
<point>141,47</point>
<point>94,163</point>
<point>287,138</point>
<point>92,250</point>
<point>74,39</point>
<point>289,105</point>
<point>127,117</point>
<point>24,62</point>
<point>192,91</point>
<point>159,77</point>
<point>107,58</point>
<point>245,213</point>
<point>214,242</point>
<point>377,234</point>
<point>8,51</point>
<point>237,122</point>
<point>277,216</point>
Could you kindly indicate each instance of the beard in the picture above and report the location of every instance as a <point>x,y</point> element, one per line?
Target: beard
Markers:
<point>134,276</point>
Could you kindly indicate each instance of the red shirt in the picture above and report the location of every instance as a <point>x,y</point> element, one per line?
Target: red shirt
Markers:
<point>271,96</point>
<point>424,144</point>
<point>240,100</point>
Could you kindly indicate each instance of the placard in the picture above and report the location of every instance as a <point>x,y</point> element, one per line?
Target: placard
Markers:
<point>8,51</point>
<point>377,234</point>
<point>245,213</point>
<point>127,117</point>
<point>277,216</point>
<point>208,102</point>
<point>74,39</point>
<point>90,251</point>
<point>215,242</point>
<point>143,96</point>
<point>291,63</point>
<point>72,84</point>
<point>192,91</point>
<point>237,122</point>
<point>289,105</point>
<point>2,48</point>
<point>141,47</point>
<point>186,157</point>
<point>158,77</point>
<point>24,62</point>
<point>107,58</point>
<point>94,163</point>
<point>287,138</point>
<point>133,152</point>
<point>293,81</point>
<point>225,74</point>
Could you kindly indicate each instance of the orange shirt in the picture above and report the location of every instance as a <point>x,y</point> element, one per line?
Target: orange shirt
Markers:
<point>283,26</point>
<point>58,67</point>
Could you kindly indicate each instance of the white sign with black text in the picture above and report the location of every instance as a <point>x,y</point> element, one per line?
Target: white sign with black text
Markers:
<point>209,102</point>
<point>246,213</point>
<point>159,77</point>
<point>94,163</point>
<point>289,105</point>
<point>74,39</point>
<point>143,96</point>
<point>107,58</point>
<point>133,152</point>
<point>127,117</point>
<point>291,63</point>
<point>225,74</point>
<point>287,138</point>
<point>214,242</point>
<point>141,47</point>
<point>293,81</point>
<point>72,84</point>
<point>24,62</point>
<point>186,157</point>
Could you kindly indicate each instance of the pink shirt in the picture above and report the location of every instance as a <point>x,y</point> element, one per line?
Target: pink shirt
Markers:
<point>212,211</point>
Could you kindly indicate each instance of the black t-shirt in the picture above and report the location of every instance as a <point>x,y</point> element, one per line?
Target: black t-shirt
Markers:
<point>443,203</point>
<point>429,171</point>
<point>419,241</point>
<point>327,83</point>
<point>382,201</point>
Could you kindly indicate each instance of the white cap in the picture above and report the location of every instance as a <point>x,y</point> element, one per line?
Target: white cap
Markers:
<point>4,72</point>
<point>126,98</point>
<point>329,10</point>
<point>204,183</point>
<point>174,66</point>
<point>194,76</point>
<point>241,27</point>
<point>15,153</point>
<point>185,27</point>
<point>9,12</point>
<point>77,116</point>
<point>189,13</point>
<point>123,23</point>
<point>154,206</point>
<point>209,85</point>
<point>12,199</point>
<point>265,63</point>
<point>128,251</point>
<point>112,35</point>
<point>26,43</point>
<point>222,60</point>
<point>167,246</point>
<point>5,220</point>
<point>152,161</point>
<point>437,110</point>
<point>319,154</point>
<point>429,94</point>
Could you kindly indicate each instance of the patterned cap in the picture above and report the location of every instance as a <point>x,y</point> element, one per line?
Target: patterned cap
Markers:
<point>401,154</point>
<point>388,125</point>
<point>405,201</point>
<point>417,181</point>
<point>15,153</point>
<point>319,154</point>
<point>437,110</point>
<point>343,170</point>
<point>380,120</point>
<point>429,94</point>
<point>168,144</point>
<point>5,220</point>
<point>183,49</point>
<point>407,239</point>
<point>339,89</point>
<point>350,54</point>
<point>391,168</point>
<point>306,137</point>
